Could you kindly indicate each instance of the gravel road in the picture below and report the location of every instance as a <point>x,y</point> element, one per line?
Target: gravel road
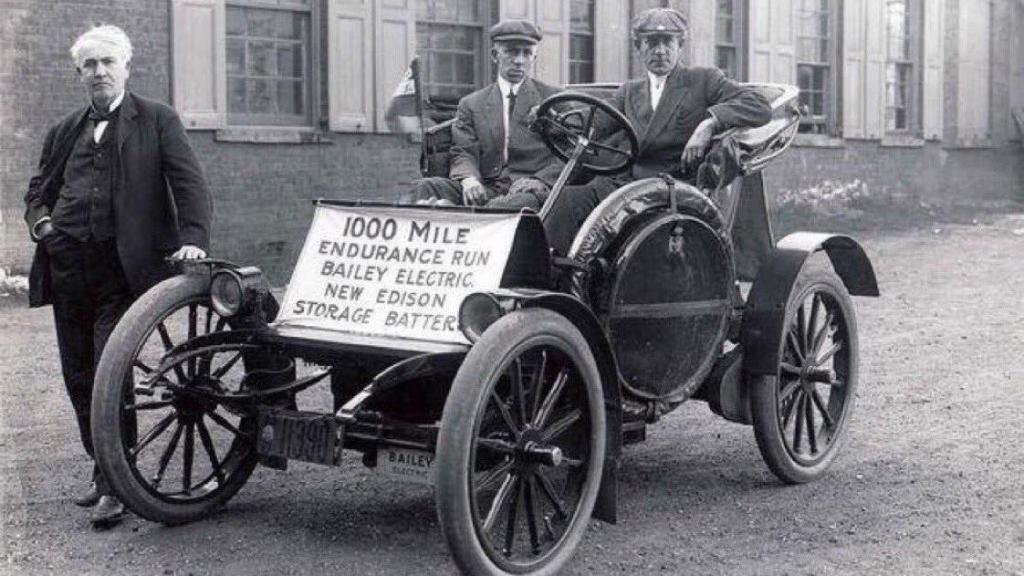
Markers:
<point>930,482</point>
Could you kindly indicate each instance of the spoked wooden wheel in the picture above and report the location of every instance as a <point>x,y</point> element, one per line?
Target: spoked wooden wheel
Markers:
<point>521,447</point>
<point>800,414</point>
<point>174,456</point>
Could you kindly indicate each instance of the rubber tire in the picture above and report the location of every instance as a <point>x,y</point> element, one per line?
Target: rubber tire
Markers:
<point>116,362</point>
<point>503,340</point>
<point>763,389</point>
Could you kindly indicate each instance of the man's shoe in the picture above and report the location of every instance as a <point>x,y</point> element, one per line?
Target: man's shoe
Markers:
<point>90,498</point>
<point>108,512</point>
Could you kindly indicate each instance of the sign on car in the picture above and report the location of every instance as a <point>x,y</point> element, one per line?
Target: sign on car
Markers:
<point>386,271</point>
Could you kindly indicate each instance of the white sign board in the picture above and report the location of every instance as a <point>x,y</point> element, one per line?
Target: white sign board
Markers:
<point>385,271</point>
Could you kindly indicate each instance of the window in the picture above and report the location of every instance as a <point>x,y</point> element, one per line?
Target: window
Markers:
<point>900,71</point>
<point>268,62</point>
<point>729,38</point>
<point>816,65</point>
<point>449,41</point>
<point>581,41</point>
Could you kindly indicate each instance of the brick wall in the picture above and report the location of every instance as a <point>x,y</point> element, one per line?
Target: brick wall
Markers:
<point>263,192</point>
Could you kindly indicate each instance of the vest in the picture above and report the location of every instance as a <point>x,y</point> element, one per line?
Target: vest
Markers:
<point>85,208</point>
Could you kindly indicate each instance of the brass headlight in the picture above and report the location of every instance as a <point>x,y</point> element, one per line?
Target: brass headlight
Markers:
<point>235,291</point>
<point>478,311</point>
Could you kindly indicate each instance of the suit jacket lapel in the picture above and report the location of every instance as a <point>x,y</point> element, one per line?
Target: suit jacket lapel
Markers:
<point>672,95</point>
<point>126,121</point>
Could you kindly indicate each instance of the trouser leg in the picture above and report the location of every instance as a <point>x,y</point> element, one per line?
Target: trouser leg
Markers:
<point>90,296</point>
<point>433,188</point>
<point>572,208</point>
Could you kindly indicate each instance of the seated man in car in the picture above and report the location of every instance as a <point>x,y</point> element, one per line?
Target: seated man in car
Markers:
<point>494,151</point>
<point>675,111</point>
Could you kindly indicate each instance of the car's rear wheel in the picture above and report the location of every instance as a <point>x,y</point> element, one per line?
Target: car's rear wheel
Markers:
<point>521,447</point>
<point>801,413</point>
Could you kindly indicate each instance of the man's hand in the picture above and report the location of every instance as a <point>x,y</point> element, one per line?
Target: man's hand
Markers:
<point>473,192</point>
<point>698,144</point>
<point>189,252</point>
<point>533,186</point>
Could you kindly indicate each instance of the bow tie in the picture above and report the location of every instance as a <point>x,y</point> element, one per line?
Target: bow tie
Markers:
<point>97,116</point>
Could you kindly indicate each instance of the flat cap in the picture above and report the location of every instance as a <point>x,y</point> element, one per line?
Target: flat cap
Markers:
<point>516,31</point>
<point>659,21</point>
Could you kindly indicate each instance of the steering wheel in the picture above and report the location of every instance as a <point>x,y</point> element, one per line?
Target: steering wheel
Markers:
<point>570,133</point>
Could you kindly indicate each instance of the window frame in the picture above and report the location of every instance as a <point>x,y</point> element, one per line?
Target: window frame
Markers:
<point>313,48</point>
<point>913,22</point>
<point>591,35</point>
<point>740,16</point>
<point>482,69</point>
<point>828,124</point>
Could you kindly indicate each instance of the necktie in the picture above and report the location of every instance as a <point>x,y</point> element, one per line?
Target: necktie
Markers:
<point>97,116</point>
<point>511,102</point>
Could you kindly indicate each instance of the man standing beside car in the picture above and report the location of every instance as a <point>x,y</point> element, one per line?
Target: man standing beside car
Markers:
<point>118,190</point>
<point>494,153</point>
<point>675,111</point>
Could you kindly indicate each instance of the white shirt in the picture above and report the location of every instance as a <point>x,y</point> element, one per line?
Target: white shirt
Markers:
<point>505,86</point>
<point>657,84</point>
<point>101,126</point>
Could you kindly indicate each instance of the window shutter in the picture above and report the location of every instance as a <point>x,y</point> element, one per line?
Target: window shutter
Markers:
<point>854,57</point>
<point>974,35</point>
<point>395,47</point>
<point>612,47</point>
<point>553,58</point>
<point>350,65</point>
<point>933,32</point>
<point>198,61</point>
<point>772,41</point>
<point>874,69</point>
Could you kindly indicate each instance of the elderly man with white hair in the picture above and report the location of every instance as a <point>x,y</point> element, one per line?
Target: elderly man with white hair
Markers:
<point>118,190</point>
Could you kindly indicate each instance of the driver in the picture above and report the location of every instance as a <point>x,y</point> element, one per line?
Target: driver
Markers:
<point>675,110</point>
<point>494,152</point>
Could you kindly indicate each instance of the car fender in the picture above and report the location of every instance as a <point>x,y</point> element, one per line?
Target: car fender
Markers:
<point>764,316</point>
<point>576,312</point>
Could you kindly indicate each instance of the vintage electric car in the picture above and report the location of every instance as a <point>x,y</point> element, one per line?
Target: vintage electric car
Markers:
<point>461,353</point>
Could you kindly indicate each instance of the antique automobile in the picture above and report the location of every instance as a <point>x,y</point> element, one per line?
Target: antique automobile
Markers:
<point>462,353</point>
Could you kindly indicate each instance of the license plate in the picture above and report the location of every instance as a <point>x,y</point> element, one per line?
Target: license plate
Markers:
<point>298,436</point>
<point>404,464</point>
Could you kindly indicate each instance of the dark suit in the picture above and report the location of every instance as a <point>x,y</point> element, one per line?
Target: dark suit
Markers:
<point>151,221</point>
<point>158,200</point>
<point>689,97</point>
<point>478,138</point>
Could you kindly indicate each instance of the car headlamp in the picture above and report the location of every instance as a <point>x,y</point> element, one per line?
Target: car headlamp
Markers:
<point>235,291</point>
<point>478,311</point>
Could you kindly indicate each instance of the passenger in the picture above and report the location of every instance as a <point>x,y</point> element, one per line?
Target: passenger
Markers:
<point>494,152</point>
<point>675,111</point>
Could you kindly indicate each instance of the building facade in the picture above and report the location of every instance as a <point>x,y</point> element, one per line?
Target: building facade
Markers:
<point>284,99</point>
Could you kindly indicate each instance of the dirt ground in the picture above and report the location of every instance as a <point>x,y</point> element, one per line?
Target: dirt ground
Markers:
<point>930,482</point>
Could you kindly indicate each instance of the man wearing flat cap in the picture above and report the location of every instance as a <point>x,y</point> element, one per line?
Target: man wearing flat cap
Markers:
<point>675,111</point>
<point>493,151</point>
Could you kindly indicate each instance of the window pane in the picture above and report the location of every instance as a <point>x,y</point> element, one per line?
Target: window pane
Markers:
<point>236,57</point>
<point>464,65</point>
<point>261,58</point>
<point>261,99</point>
<point>235,21</point>
<point>261,22</point>
<point>288,25</point>
<point>581,16</point>
<point>289,97</point>
<point>289,61</point>
<point>236,95</point>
